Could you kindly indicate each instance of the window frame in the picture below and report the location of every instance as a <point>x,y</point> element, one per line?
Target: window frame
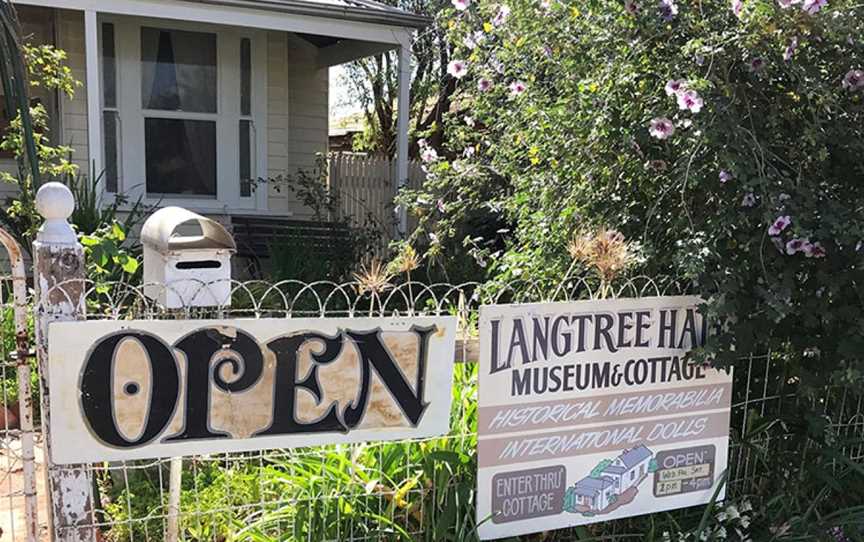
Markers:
<point>131,167</point>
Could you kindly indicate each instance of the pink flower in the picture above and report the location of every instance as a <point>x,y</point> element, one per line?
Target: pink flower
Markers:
<point>690,100</point>
<point>756,64</point>
<point>517,88</point>
<point>812,7</point>
<point>725,176</point>
<point>749,200</point>
<point>440,206</point>
<point>546,4</point>
<point>854,80</point>
<point>457,68</point>
<point>675,86</point>
<point>668,10</point>
<point>501,17</point>
<point>790,49</point>
<point>737,7</point>
<point>661,128</point>
<point>461,5</point>
<point>780,224</point>
<point>814,250</point>
<point>484,84</point>
<point>429,154</point>
<point>472,41</point>
<point>631,7</point>
<point>793,246</point>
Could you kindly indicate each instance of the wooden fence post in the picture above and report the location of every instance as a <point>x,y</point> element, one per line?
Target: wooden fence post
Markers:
<point>58,271</point>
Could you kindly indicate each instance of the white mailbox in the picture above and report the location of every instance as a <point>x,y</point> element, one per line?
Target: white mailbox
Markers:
<point>187,259</point>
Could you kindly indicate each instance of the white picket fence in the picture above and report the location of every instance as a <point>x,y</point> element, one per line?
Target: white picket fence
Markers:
<point>366,186</point>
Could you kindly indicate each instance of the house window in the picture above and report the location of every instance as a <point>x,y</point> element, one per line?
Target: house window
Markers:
<point>110,114</point>
<point>172,90</point>
<point>246,126</point>
<point>178,75</point>
<point>632,475</point>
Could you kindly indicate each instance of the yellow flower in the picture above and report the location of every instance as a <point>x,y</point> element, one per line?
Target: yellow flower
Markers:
<point>487,27</point>
<point>575,12</point>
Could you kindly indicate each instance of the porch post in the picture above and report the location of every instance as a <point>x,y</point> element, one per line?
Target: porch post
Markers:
<point>404,112</point>
<point>94,96</point>
<point>58,275</point>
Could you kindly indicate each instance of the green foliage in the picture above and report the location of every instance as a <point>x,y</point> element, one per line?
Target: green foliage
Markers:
<point>27,137</point>
<point>102,230</point>
<point>106,259</point>
<point>361,236</point>
<point>93,212</point>
<point>373,83</point>
<point>563,136</point>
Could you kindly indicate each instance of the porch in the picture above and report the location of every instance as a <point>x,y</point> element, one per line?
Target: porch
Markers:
<point>199,103</point>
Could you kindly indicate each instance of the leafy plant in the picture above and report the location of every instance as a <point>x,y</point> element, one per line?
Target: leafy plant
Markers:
<point>26,66</point>
<point>106,258</point>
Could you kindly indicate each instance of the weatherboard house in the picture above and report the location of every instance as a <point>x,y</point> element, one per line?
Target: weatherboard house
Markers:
<point>596,493</point>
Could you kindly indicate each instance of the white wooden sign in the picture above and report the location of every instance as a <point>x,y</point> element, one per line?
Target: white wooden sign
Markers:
<point>141,389</point>
<point>588,412</point>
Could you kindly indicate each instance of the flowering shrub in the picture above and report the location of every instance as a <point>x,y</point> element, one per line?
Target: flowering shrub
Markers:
<point>726,137</point>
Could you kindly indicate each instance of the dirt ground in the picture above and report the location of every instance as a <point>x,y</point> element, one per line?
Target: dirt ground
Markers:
<point>12,520</point>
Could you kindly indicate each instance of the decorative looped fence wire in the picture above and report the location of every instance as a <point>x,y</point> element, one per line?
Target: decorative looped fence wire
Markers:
<point>421,489</point>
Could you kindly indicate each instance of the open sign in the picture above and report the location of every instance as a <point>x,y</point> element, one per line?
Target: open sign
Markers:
<point>141,389</point>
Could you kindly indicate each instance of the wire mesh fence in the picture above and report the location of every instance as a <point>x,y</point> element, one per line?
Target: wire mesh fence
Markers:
<point>419,489</point>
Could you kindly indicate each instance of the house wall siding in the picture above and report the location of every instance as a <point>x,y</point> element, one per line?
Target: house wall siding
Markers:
<point>73,112</point>
<point>297,114</point>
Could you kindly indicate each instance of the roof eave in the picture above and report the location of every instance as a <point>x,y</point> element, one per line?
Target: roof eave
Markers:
<point>299,7</point>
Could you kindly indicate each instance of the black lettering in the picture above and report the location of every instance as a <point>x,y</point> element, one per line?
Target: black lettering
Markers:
<point>285,385</point>
<point>97,389</point>
<point>496,347</point>
<point>602,326</point>
<point>541,338</point>
<point>667,328</point>
<point>642,325</point>
<point>521,382</point>
<point>373,354</point>
<point>557,335</point>
<point>207,352</point>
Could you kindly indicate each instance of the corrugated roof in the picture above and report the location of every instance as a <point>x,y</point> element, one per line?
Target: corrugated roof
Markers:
<point>634,456</point>
<point>589,486</point>
<point>354,10</point>
<point>613,469</point>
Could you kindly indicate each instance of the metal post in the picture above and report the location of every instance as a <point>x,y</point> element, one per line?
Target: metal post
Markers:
<point>25,397</point>
<point>58,271</point>
<point>175,480</point>
<point>403,114</point>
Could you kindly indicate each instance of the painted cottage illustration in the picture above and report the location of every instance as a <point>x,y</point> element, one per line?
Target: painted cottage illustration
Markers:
<point>609,483</point>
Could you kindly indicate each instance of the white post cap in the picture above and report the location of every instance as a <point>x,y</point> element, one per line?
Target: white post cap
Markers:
<point>55,203</point>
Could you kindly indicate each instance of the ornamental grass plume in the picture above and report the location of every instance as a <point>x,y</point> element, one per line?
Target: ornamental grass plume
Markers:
<point>373,278</point>
<point>605,251</point>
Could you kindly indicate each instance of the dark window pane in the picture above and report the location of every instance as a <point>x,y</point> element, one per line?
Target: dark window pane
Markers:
<point>180,156</point>
<point>109,66</point>
<point>178,70</point>
<point>109,130</point>
<point>245,158</point>
<point>245,77</point>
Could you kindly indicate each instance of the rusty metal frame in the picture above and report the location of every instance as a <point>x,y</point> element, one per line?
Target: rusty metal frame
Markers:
<point>25,397</point>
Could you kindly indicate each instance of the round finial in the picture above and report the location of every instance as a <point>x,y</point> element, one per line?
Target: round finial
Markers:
<point>54,201</point>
